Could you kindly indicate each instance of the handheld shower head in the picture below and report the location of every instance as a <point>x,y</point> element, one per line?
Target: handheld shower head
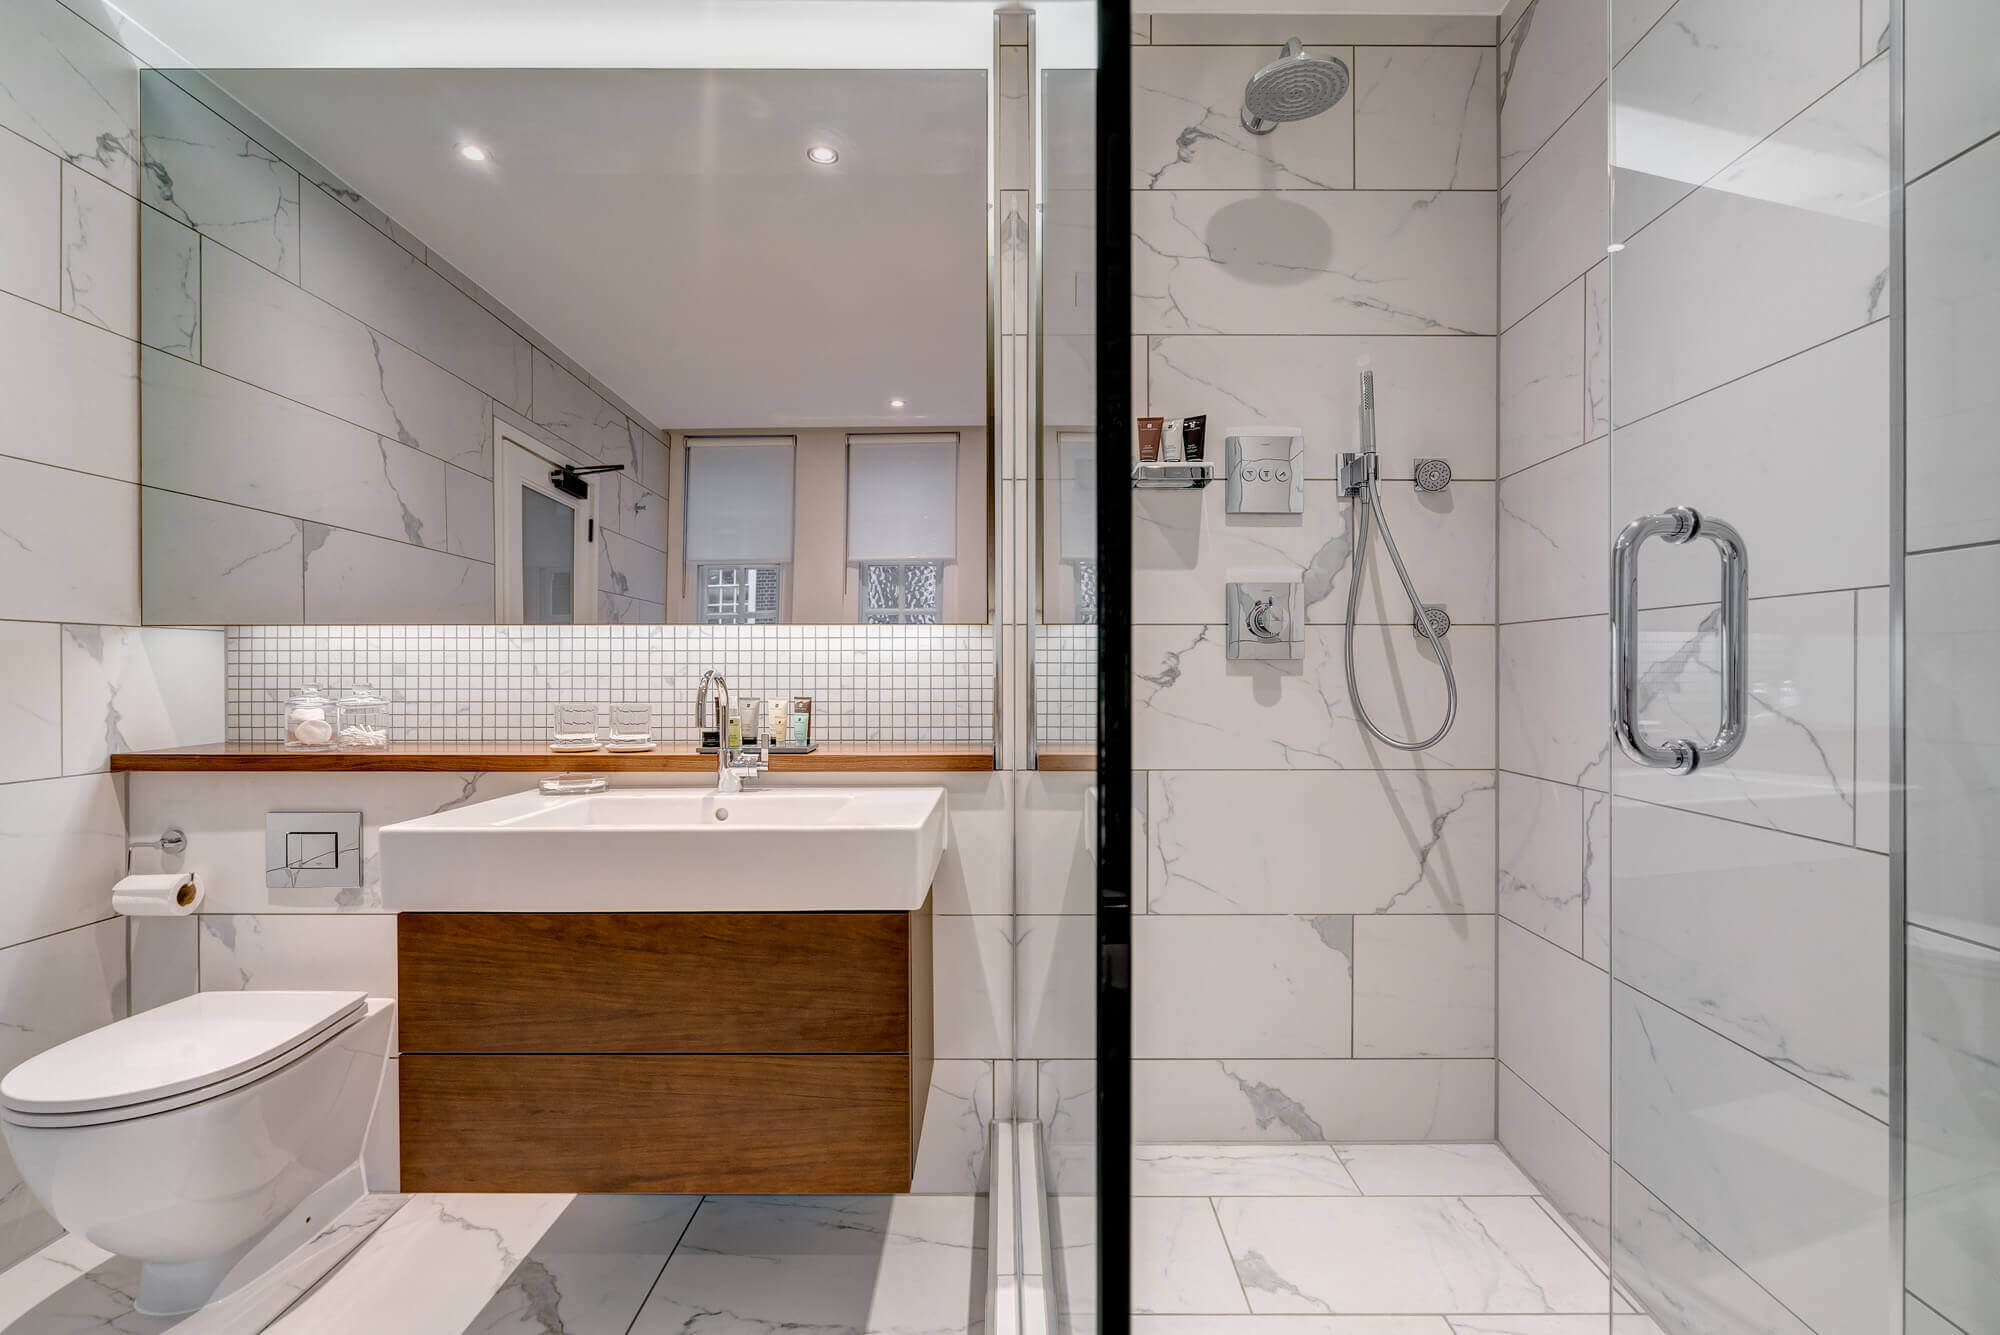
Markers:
<point>1293,87</point>
<point>1368,412</point>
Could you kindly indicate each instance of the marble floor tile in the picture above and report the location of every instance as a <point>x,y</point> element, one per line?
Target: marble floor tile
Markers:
<point>1239,1170</point>
<point>1180,1262</point>
<point>1434,1170</point>
<point>591,1272</point>
<point>71,1287</point>
<point>1407,1254</point>
<point>857,1264</point>
<point>430,1268</point>
<point>1289,1325</point>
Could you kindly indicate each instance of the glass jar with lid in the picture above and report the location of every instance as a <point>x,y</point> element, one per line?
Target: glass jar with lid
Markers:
<point>364,720</point>
<point>309,720</point>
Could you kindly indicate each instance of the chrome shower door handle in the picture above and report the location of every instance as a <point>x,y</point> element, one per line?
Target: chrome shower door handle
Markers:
<point>1678,525</point>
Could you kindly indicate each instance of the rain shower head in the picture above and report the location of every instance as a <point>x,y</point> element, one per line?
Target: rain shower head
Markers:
<point>1291,88</point>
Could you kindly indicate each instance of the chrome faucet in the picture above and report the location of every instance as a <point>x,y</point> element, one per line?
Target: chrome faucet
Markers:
<point>732,764</point>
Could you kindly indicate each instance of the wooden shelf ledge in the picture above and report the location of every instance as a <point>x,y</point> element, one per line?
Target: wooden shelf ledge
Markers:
<point>519,757</point>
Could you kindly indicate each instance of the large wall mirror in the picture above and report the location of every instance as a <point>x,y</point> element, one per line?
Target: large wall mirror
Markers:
<point>565,346</point>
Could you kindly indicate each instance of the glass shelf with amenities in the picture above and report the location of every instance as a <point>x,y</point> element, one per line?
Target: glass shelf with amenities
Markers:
<point>1159,475</point>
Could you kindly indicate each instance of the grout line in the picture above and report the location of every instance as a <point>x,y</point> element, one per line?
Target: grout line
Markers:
<point>632,1325</point>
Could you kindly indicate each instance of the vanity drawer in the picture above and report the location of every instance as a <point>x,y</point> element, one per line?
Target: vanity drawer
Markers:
<point>660,982</point>
<point>760,1124</point>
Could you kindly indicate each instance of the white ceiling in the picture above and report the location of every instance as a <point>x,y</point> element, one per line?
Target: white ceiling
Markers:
<point>665,230</point>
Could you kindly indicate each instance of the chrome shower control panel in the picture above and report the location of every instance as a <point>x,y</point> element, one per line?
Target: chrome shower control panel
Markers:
<point>1266,470</point>
<point>1267,620</point>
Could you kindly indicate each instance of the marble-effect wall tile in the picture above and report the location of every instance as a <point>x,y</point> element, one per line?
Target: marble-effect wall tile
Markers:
<point>259,328</point>
<point>1550,63</point>
<point>30,700</point>
<point>1242,986</point>
<point>30,220</point>
<point>1193,708</point>
<point>100,253</point>
<point>353,578</point>
<point>1433,396</point>
<point>1541,858</point>
<point>1267,1100</point>
<point>1705,923</point>
<point>169,285</point>
<point>1239,263</point>
<point>207,174</point>
<point>1425,118</point>
<point>51,566</point>
<point>362,271</point>
<point>207,563</point>
<point>1187,135</point>
<point>69,88</point>
<point>1818,1242</point>
<point>71,390</point>
<point>1423,985</point>
<point>212,436</point>
<point>1263,842</point>
<point>128,689</point>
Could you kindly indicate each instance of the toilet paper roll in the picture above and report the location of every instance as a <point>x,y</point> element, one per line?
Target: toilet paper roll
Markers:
<point>163,895</point>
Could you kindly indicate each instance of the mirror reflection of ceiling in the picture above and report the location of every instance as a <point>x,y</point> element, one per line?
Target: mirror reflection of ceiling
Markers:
<point>666,229</point>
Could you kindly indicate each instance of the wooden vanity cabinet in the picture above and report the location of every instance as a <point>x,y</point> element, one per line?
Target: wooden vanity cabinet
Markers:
<point>781,1053</point>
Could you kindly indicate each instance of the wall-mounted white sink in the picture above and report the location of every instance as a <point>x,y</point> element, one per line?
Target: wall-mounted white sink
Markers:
<point>639,850</point>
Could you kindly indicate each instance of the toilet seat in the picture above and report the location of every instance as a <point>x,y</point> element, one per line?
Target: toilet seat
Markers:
<point>182,1053</point>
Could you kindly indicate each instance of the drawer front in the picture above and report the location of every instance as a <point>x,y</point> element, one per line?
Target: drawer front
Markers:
<point>769,1124</point>
<point>655,982</point>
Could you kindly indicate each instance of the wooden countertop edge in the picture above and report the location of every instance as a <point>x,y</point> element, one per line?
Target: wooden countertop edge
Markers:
<point>1070,761</point>
<point>916,759</point>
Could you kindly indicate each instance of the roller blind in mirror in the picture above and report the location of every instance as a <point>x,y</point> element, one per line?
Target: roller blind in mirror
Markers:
<point>902,498</point>
<point>739,499</point>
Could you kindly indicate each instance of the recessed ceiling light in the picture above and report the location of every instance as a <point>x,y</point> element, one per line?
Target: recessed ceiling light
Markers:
<point>895,403</point>
<point>472,152</point>
<point>823,154</point>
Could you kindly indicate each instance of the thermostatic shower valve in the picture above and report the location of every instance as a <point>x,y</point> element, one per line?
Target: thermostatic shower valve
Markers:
<point>1267,620</point>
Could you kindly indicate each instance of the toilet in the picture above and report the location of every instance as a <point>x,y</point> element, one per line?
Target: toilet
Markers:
<point>206,1138</point>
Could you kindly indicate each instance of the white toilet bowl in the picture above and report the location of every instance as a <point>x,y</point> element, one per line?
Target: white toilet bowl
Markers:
<point>205,1138</point>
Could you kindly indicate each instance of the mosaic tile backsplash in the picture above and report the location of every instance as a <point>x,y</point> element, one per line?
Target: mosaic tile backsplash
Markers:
<point>1066,683</point>
<point>498,683</point>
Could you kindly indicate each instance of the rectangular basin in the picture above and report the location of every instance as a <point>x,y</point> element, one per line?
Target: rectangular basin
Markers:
<point>671,850</point>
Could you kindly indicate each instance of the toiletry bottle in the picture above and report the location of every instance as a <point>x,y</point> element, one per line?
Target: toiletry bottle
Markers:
<point>1149,439</point>
<point>1171,444</point>
<point>777,719</point>
<point>1194,438</point>
<point>802,710</point>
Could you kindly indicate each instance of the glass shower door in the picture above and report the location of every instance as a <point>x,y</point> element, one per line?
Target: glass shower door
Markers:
<point>1748,919</point>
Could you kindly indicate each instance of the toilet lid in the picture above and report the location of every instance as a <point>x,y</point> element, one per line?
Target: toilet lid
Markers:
<point>184,1045</point>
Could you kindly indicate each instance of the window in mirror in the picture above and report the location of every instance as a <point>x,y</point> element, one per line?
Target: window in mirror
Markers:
<point>739,526</point>
<point>547,563</point>
<point>902,524</point>
<point>738,595</point>
<point>1083,584</point>
<point>900,593</point>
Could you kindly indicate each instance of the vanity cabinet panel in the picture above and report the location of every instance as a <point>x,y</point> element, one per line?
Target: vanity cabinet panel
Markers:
<point>634,1123</point>
<point>663,1052</point>
<point>654,982</point>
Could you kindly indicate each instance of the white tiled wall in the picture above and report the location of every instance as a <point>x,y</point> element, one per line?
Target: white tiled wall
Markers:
<point>1314,952</point>
<point>1952,629</point>
<point>499,683</point>
<point>301,349</point>
<point>1735,346</point>
<point>77,679</point>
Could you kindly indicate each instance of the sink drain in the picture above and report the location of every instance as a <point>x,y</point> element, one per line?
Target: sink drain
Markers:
<point>722,813</point>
